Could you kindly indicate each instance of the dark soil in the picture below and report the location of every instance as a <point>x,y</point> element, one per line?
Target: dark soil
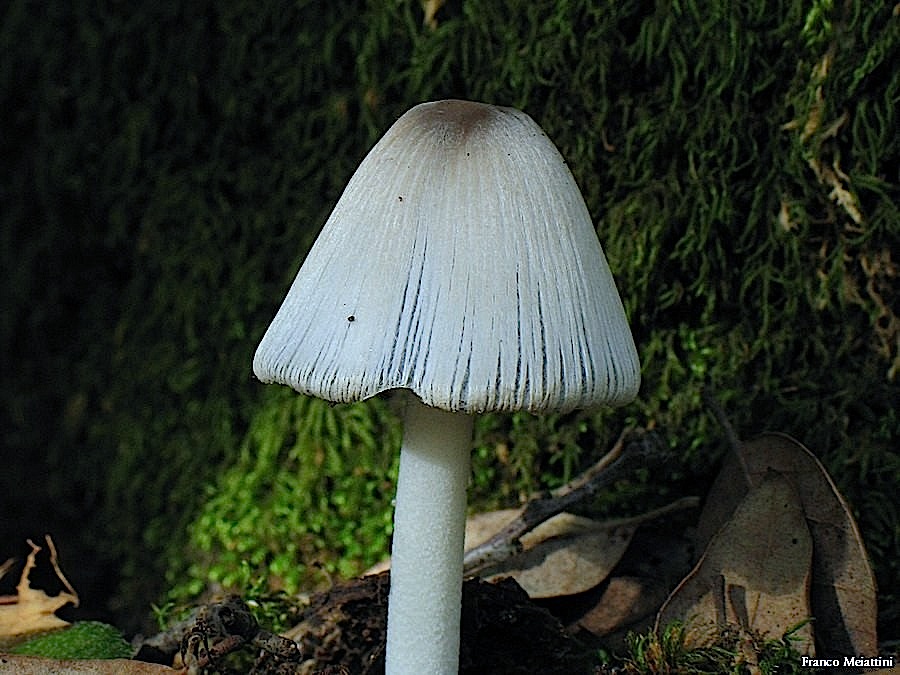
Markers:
<point>503,631</point>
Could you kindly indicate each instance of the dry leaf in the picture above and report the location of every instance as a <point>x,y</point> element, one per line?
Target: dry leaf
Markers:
<point>728,489</point>
<point>754,573</point>
<point>564,556</point>
<point>625,601</point>
<point>32,665</point>
<point>656,561</point>
<point>31,610</point>
<point>843,595</point>
<point>431,8</point>
<point>482,526</point>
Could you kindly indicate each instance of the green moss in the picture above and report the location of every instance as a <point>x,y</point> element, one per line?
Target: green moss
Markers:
<point>309,496</point>
<point>81,640</point>
<point>668,651</point>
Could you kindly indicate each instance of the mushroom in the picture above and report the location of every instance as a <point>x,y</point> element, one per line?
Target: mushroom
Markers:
<point>461,265</point>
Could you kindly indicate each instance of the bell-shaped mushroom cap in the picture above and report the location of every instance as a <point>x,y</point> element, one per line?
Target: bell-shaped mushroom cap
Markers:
<point>460,263</point>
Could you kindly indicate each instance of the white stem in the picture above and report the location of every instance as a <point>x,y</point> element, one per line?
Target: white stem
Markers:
<point>427,551</point>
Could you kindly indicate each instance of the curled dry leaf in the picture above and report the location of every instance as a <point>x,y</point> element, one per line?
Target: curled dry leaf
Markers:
<point>31,610</point>
<point>564,555</point>
<point>754,573</point>
<point>566,564</point>
<point>843,594</point>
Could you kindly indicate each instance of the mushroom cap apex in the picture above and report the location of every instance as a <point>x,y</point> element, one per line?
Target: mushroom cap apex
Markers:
<point>460,263</point>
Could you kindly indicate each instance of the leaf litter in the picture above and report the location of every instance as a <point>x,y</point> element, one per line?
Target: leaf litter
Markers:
<point>31,610</point>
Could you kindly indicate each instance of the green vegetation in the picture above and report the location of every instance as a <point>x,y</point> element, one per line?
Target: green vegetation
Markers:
<point>167,166</point>
<point>81,640</point>
<point>309,496</point>
<point>668,651</point>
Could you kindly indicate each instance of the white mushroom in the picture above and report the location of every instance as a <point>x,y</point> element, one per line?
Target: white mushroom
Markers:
<point>460,264</point>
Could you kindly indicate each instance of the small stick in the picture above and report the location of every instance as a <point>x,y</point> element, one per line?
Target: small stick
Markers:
<point>592,472</point>
<point>54,560</point>
<point>718,412</point>
<point>680,504</point>
<point>734,441</point>
<point>620,461</point>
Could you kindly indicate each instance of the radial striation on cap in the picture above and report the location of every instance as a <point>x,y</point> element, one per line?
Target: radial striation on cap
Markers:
<point>460,263</point>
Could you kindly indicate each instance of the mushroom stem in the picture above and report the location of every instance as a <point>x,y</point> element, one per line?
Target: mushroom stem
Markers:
<point>427,552</point>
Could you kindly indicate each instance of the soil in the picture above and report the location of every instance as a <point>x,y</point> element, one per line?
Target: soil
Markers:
<point>503,631</point>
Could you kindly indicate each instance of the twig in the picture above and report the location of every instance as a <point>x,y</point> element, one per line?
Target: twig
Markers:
<point>718,412</point>
<point>734,441</point>
<point>592,472</point>
<point>680,504</point>
<point>619,462</point>
<point>54,560</point>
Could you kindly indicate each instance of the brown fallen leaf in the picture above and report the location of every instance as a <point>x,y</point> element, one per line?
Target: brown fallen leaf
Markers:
<point>843,594</point>
<point>657,559</point>
<point>33,665</point>
<point>31,610</point>
<point>565,555</point>
<point>625,601</point>
<point>755,572</point>
<point>482,526</point>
